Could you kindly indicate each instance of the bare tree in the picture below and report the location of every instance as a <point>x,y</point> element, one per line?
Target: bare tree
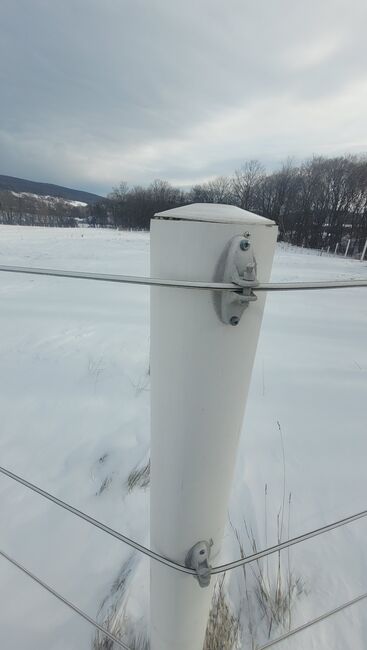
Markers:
<point>246,184</point>
<point>217,190</point>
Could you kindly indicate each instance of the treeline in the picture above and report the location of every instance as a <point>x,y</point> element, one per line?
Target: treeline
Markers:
<point>133,208</point>
<point>317,204</point>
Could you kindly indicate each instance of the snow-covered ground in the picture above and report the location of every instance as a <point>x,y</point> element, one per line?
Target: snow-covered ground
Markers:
<point>74,409</point>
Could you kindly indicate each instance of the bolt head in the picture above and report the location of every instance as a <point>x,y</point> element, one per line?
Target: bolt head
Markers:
<point>234,320</point>
<point>244,244</point>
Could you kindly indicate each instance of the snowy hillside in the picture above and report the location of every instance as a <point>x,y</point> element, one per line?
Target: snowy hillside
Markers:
<point>74,405</point>
<point>24,186</point>
<point>52,200</point>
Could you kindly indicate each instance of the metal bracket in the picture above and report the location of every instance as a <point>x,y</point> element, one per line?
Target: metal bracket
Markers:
<point>198,559</point>
<point>241,269</point>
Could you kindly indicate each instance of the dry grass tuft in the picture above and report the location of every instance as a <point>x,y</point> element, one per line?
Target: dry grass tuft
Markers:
<point>139,477</point>
<point>222,632</point>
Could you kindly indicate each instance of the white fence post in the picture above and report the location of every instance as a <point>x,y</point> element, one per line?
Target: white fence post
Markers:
<point>364,251</point>
<point>347,248</point>
<point>200,375</point>
<point>336,248</point>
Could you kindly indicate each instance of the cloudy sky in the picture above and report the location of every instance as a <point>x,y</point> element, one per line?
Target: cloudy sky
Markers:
<point>96,91</point>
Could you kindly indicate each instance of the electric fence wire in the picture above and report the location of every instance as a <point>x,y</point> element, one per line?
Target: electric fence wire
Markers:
<point>96,523</point>
<point>184,284</point>
<point>66,602</point>
<point>314,621</point>
<point>290,542</point>
<point>170,563</point>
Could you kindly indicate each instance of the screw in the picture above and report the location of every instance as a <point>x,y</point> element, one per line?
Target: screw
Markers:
<point>244,244</point>
<point>234,320</point>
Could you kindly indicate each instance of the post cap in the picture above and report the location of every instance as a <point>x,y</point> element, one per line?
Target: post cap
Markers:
<point>214,212</point>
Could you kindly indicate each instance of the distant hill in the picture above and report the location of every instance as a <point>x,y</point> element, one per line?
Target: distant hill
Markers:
<point>46,189</point>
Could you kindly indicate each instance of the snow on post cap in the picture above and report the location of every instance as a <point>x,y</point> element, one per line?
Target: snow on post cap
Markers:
<point>215,212</point>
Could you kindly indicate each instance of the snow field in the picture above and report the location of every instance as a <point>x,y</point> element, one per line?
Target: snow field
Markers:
<point>74,407</point>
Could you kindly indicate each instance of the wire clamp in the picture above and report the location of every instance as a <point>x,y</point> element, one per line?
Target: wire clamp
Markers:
<point>198,559</point>
<point>240,268</point>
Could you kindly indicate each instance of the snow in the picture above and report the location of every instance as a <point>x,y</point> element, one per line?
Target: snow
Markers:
<point>214,212</point>
<point>77,204</point>
<point>74,404</point>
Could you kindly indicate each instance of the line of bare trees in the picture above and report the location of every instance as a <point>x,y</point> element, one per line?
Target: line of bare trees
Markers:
<point>132,208</point>
<point>316,204</point>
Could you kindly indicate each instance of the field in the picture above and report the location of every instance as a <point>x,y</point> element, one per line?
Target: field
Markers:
<point>74,407</point>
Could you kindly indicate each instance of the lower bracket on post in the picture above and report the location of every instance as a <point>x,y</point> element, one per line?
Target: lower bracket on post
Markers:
<point>198,559</point>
